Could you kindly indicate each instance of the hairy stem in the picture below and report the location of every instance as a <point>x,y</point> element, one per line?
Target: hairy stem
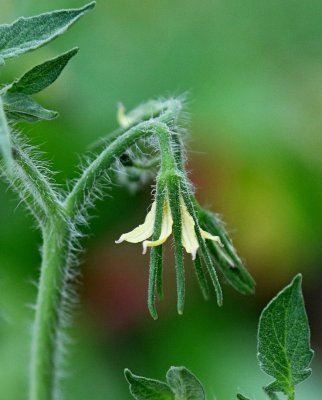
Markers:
<point>45,338</point>
<point>29,180</point>
<point>46,341</point>
<point>75,200</point>
<point>58,220</point>
<point>291,396</point>
<point>167,112</point>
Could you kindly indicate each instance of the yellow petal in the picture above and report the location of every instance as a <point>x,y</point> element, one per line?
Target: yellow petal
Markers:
<point>209,236</point>
<point>189,238</point>
<point>142,232</point>
<point>166,228</point>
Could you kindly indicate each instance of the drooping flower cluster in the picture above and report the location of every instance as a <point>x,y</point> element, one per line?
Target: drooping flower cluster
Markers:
<point>176,211</point>
<point>189,238</point>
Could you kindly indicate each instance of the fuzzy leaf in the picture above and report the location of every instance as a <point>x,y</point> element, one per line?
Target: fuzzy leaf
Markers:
<point>5,140</point>
<point>20,107</point>
<point>41,76</point>
<point>147,389</point>
<point>27,34</point>
<point>284,340</point>
<point>184,384</point>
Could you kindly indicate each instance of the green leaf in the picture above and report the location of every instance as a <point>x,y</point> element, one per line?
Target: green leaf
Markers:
<point>147,389</point>
<point>41,76</point>
<point>5,140</point>
<point>284,340</point>
<point>27,34</point>
<point>242,397</point>
<point>20,107</point>
<point>184,384</point>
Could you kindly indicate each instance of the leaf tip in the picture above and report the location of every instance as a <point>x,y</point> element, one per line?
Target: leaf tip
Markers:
<point>54,115</point>
<point>155,316</point>
<point>72,52</point>
<point>89,6</point>
<point>219,295</point>
<point>297,280</point>
<point>128,374</point>
<point>152,309</point>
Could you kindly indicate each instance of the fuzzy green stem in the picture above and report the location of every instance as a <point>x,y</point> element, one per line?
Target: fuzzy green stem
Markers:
<point>166,112</point>
<point>291,396</point>
<point>168,163</point>
<point>43,198</point>
<point>45,339</point>
<point>57,222</point>
<point>75,200</point>
<point>171,174</point>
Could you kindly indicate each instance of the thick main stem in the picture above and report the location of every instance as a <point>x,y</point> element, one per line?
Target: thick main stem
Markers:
<point>45,340</point>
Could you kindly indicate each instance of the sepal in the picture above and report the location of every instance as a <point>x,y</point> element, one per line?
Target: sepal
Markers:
<point>225,257</point>
<point>176,210</point>
<point>156,262</point>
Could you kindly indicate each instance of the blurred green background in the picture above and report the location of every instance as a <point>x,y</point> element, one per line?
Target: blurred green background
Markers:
<point>253,70</point>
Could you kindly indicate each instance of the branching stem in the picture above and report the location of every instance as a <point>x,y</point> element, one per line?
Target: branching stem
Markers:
<point>57,231</point>
<point>75,200</point>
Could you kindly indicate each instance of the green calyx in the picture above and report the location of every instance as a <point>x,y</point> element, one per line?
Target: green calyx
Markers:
<point>225,257</point>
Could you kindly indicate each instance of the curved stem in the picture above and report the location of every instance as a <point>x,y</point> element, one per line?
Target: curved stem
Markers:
<point>167,112</point>
<point>48,317</point>
<point>76,198</point>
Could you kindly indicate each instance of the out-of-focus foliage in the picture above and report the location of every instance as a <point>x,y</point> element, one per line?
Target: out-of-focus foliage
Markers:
<point>253,72</point>
<point>181,385</point>
<point>283,352</point>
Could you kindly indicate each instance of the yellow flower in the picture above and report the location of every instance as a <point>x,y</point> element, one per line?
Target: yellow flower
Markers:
<point>189,238</point>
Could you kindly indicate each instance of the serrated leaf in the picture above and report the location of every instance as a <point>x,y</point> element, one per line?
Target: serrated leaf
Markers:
<point>20,107</point>
<point>147,389</point>
<point>27,34</point>
<point>41,76</point>
<point>5,141</point>
<point>184,384</point>
<point>284,340</point>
